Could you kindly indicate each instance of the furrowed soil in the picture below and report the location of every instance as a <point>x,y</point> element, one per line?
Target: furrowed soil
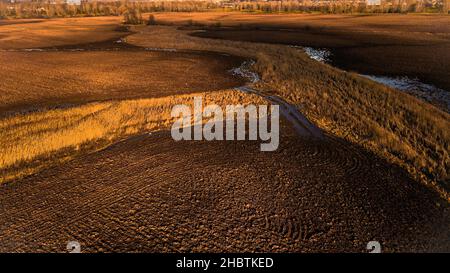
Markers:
<point>152,194</point>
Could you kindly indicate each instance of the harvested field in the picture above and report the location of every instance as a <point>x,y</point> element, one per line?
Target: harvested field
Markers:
<point>19,21</point>
<point>44,67</point>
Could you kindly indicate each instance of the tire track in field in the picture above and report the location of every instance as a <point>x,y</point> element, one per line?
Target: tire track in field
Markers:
<point>301,124</point>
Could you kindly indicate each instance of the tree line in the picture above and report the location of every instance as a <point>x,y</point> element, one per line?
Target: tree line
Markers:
<point>344,6</point>
<point>134,9</point>
<point>52,9</point>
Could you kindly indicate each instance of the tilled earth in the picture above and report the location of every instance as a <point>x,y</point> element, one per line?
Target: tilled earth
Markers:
<point>152,194</point>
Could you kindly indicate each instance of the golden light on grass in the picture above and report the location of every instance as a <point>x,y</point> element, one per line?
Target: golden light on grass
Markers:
<point>37,137</point>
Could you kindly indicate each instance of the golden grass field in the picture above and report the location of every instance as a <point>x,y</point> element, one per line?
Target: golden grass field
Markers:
<point>76,147</point>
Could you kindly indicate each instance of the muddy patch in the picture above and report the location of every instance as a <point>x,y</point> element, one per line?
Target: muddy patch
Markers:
<point>244,71</point>
<point>322,55</point>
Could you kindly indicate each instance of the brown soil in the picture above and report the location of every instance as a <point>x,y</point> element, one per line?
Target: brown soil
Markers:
<point>152,194</point>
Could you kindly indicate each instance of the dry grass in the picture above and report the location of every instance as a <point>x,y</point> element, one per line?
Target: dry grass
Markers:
<point>395,125</point>
<point>32,141</point>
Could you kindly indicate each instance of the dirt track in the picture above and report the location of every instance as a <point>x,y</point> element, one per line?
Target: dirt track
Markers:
<point>298,121</point>
<point>152,194</point>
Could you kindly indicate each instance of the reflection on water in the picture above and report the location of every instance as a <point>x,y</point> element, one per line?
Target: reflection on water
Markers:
<point>319,54</point>
<point>427,92</point>
<point>415,87</point>
<point>244,71</point>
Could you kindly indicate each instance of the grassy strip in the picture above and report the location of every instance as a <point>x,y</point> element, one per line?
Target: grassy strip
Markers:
<point>31,142</point>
